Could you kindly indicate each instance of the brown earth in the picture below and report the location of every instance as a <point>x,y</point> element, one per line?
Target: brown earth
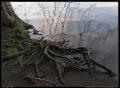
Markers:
<point>71,77</point>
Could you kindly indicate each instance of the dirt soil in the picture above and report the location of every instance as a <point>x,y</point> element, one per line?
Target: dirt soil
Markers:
<point>71,77</point>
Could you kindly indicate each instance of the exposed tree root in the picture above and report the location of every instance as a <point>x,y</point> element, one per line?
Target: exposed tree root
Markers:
<point>8,57</point>
<point>39,48</point>
<point>103,67</point>
<point>39,79</point>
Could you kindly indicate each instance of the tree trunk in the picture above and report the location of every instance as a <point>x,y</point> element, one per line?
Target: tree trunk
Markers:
<point>9,18</point>
<point>12,29</point>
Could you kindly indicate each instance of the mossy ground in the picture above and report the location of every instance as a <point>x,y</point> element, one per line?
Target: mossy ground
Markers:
<point>10,35</point>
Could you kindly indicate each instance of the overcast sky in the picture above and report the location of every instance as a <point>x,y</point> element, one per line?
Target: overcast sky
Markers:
<point>20,9</point>
<point>84,4</point>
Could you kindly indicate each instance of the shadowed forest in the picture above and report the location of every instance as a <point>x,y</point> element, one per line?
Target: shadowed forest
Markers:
<point>59,44</point>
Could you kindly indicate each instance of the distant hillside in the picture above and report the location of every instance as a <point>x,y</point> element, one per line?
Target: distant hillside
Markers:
<point>103,14</point>
<point>76,26</point>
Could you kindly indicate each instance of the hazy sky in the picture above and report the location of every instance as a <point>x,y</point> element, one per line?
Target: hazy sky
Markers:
<point>84,4</point>
<point>20,9</point>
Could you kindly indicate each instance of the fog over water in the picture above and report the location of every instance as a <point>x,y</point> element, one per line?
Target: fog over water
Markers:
<point>101,18</point>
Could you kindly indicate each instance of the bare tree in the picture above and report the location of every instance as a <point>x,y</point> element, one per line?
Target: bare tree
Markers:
<point>43,26</point>
<point>58,18</point>
<point>84,17</point>
<point>45,19</point>
<point>52,19</point>
<point>64,18</point>
<point>108,33</point>
<point>25,14</point>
